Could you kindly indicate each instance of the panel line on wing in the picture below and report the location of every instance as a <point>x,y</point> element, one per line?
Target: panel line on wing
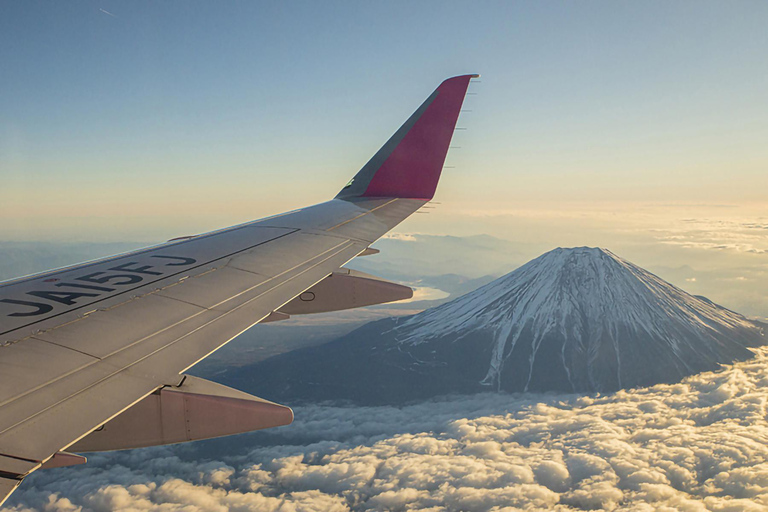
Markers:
<point>362,214</point>
<point>347,243</point>
<point>66,347</point>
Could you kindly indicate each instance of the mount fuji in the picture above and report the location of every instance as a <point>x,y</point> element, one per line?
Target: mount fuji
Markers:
<point>571,320</point>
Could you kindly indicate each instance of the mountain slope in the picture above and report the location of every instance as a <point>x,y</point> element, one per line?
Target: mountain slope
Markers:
<point>578,319</point>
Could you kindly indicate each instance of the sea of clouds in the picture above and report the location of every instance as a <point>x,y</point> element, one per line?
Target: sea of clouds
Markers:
<point>698,445</point>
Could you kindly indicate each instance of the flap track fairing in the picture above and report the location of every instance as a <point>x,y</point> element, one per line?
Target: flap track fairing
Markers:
<point>346,289</point>
<point>196,409</point>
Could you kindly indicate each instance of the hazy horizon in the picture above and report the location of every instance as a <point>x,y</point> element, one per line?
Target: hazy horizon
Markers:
<point>639,127</point>
<point>636,127</point>
<point>156,120</point>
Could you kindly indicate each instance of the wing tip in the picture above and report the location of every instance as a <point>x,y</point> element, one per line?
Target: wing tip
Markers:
<point>410,163</point>
<point>468,76</point>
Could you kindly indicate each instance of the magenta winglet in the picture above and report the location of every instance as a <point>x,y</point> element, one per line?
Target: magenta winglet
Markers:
<point>413,169</point>
<point>410,163</point>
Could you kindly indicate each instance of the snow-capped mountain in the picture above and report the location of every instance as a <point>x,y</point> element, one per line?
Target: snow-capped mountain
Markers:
<point>579,319</point>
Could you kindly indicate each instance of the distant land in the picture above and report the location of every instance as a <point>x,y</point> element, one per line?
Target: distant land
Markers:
<point>572,320</point>
<point>23,258</point>
<point>408,256</point>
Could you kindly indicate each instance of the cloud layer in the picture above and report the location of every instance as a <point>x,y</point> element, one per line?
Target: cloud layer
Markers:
<point>698,445</point>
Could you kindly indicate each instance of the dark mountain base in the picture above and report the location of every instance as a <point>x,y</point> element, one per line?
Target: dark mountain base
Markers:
<point>361,369</point>
<point>370,367</point>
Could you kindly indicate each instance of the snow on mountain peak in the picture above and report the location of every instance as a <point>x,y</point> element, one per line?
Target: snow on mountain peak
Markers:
<point>591,307</point>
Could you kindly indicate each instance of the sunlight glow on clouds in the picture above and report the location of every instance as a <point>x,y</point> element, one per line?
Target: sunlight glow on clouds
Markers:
<point>698,445</point>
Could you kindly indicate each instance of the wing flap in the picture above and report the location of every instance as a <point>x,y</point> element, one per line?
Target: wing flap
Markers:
<point>17,466</point>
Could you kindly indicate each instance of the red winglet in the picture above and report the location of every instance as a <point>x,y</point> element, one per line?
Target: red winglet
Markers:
<point>410,163</point>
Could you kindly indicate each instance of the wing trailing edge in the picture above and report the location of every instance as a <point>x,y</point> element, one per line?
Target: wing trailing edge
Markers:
<point>410,163</point>
<point>7,486</point>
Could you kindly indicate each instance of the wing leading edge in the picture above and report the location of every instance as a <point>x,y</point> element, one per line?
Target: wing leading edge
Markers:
<point>83,344</point>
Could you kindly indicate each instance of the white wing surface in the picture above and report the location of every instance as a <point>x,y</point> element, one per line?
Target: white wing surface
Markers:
<point>81,346</point>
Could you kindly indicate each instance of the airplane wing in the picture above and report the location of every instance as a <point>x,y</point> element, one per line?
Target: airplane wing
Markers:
<point>92,356</point>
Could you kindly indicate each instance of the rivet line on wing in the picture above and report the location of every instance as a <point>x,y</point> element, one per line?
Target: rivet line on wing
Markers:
<point>362,214</point>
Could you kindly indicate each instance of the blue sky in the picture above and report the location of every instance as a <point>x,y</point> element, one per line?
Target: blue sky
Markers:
<point>154,118</point>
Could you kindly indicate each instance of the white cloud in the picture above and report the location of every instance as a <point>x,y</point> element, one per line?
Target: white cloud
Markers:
<point>403,237</point>
<point>698,445</point>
